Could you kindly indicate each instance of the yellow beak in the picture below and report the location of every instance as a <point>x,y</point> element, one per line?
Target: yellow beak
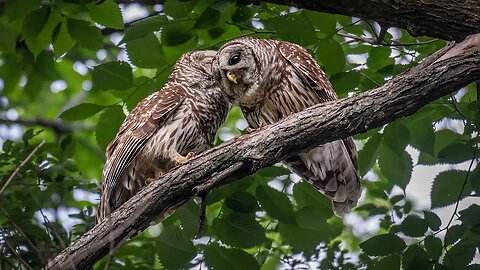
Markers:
<point>231,77</point>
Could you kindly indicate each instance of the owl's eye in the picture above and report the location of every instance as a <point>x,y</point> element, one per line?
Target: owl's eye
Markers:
<point>234,59</point>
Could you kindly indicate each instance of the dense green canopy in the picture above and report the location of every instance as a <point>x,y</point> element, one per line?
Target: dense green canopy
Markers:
<point>71,69</point>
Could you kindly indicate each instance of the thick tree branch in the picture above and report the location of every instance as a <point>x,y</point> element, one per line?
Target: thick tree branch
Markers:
<point>438,75</point>
<point>445,19</point>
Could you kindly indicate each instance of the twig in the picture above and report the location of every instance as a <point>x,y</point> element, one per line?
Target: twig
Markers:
<point>21,165</point>
<point>20,259</point>
<point>56,125</point>
<point>22,233</point>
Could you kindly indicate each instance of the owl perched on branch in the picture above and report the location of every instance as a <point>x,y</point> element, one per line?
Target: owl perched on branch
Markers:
<point>272,79</point>
<point>164,130</point>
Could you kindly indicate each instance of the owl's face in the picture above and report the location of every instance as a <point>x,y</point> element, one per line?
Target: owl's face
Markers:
<point>237,69</point>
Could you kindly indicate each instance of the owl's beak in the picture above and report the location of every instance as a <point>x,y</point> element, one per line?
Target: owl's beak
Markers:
<point>231,76</point>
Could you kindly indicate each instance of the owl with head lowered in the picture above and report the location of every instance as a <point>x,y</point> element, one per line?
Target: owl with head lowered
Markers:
<point>272,79</point>
<point>164,130</point>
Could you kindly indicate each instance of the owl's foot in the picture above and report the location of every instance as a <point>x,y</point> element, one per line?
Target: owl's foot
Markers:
<point>150,180</point>
<point>250,130</point>
<point>179,159</point>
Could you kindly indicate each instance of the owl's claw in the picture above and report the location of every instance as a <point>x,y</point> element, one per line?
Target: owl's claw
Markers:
<point>250,130</point>
<point>150,180</point>
<point>179,159</point>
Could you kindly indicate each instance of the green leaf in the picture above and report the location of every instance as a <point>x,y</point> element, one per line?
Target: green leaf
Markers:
<point>114,75</point>
<point>442,139</point>
<point>174,249</point>
<point>387,263</point>
<point>396,167</point>
<point>447,186</point>
<point>433,246</point>
<point>396,136</point>
<point>107,14</point>
<point>383,244</point>
<point>275,203</point>
<point>62,42</point>
<point>469,217</point>
<point>293,27</point>
<point>455,153</point>
<point>369,153</point>
<point>81,111</point>
<point>240,230</point>
<point>108,125</point>
<point>454,233</point>
<point>460,254</point>
<point>41,41</point>
<point>345,82</point>
<point>310,230</point>
<point>220,258</point>
<point>331,56</point>
<point>17,9</point>
<point>178,9</point>
<point>415,258</point>
<point>143,28</point>
<point>209,18</point>
<point>86,35</point>
<point>306,195</point>
<point>242,14</point>
<point>34,22</point>
<point>273,171</point>
<point>414,226</point>
<point>8,40</point>
<point>146,52</point>
<point>176,34</point>
<point>242,202</point>
<point>433,220</point>
<point>422,135</point>
<point>325,22</point>
<point>379,57</point>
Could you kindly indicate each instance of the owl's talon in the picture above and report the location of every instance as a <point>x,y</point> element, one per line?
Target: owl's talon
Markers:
<point>250,130</point>
<point>179,159</point>
<point>150,180</point>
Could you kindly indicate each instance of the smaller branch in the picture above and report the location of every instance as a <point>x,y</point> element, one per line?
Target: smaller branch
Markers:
<point>57,125</point>
<point>374,41</point>
<point>20,259</point>
<point>21,165</point>
<point>108,31</point>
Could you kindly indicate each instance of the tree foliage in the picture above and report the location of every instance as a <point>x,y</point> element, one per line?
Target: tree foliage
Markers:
<point>83,64</point>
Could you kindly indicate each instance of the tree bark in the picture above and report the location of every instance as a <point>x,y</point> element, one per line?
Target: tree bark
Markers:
<point>444,72</point>
<point>444,19</point>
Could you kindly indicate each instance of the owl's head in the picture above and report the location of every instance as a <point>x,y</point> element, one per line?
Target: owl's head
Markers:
<point>237,68</point>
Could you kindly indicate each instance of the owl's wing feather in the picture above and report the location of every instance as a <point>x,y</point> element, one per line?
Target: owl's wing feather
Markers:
<point>308,70</point>
<point>332,167</point>
<point>140,125</point>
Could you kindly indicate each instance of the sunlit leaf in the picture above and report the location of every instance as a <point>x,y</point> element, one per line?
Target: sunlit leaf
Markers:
<point>146,52</point>
<point>86,35</point>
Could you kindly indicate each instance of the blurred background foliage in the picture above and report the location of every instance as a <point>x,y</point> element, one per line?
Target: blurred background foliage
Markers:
<point>71,69</point>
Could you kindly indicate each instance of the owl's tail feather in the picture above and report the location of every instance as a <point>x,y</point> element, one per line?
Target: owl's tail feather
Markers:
<point>332,169</point>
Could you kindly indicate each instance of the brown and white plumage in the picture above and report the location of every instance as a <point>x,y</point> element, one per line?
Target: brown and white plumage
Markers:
<point>272,79</point>
<point>163,130</point>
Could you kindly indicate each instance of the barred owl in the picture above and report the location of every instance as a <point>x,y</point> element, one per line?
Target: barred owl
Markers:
<point>272,79</point>
<point>164,130</point>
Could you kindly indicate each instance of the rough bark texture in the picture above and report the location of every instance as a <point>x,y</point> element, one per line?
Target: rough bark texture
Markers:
<point>445,19</point>
<point>440,74</point>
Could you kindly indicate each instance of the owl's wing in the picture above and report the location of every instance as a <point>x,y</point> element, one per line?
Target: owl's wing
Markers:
<point>308,70</point>
<point>332,168</point>
<point>140,125</point>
